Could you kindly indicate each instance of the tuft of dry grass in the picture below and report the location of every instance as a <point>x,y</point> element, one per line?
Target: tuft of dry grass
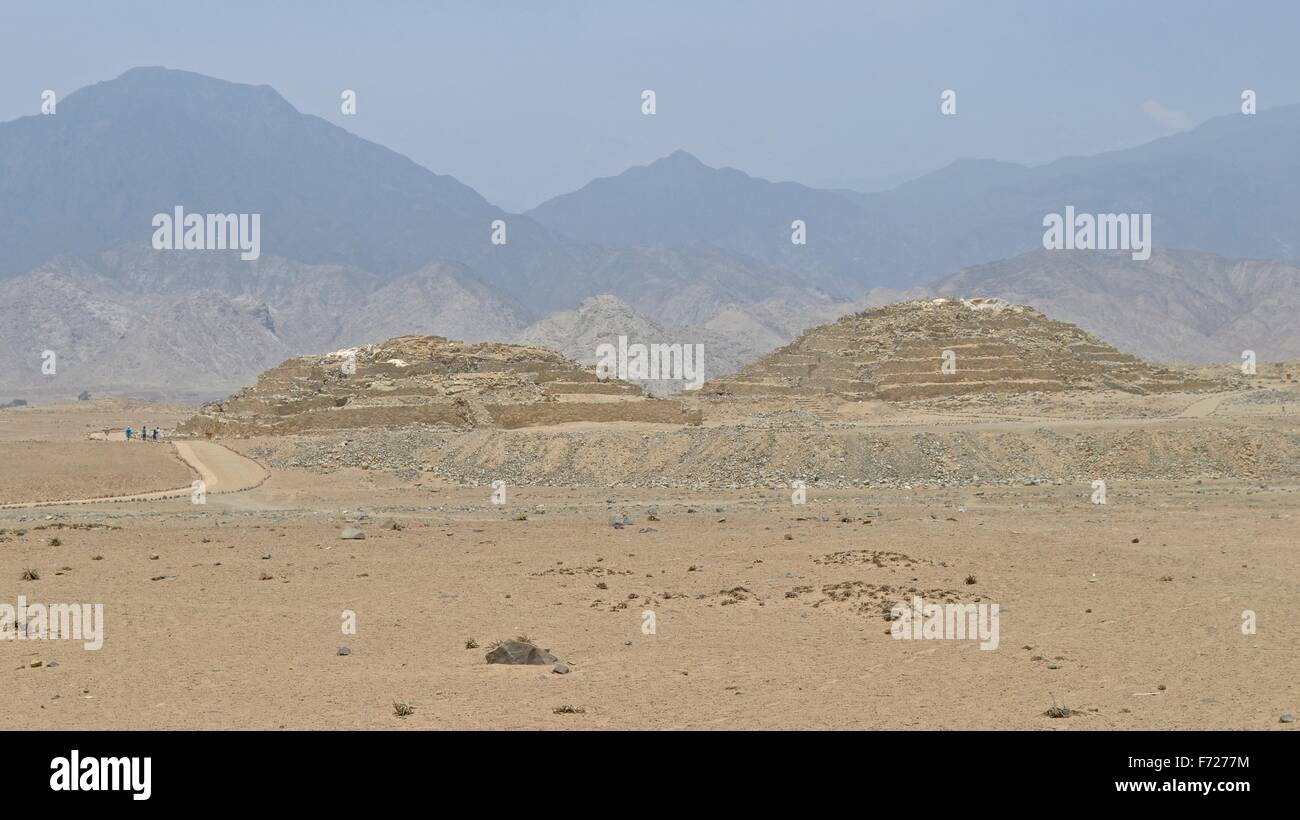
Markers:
<point>1057,711</point>
<point>402,710</point>
<point>569,710</point>
<point>30,574</point>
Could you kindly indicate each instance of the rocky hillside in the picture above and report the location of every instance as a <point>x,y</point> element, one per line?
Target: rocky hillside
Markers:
<point>1178,306</point>
<point>143,323</point>
<point>603,319</point>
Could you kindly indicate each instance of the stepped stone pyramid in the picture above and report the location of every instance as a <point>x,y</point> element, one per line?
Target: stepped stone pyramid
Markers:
<point>896,353</point>
<point>429,380</point>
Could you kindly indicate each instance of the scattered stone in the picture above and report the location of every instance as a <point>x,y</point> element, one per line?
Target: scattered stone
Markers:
<point>560,668</point>
<point>351,534</point>
<point>519,653</point>
<point>1287,718</point>
<point>343,650</point>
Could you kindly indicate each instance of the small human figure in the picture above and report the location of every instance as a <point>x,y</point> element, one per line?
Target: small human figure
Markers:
<point>128,433</point>
<point>155,434</point>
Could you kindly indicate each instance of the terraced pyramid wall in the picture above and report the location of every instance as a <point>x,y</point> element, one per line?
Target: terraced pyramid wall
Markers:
<point>898,352</point>
<point>429,380</point>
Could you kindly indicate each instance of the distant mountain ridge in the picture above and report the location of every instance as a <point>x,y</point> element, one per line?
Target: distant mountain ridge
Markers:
<point>970,212</point>
<point>361,244</point>
<point>118,152</point>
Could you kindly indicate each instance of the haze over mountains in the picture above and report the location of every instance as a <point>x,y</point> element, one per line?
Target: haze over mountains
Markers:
<point>359,244</point>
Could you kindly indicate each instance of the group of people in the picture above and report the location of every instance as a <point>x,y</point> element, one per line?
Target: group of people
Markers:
<point>144,433</point>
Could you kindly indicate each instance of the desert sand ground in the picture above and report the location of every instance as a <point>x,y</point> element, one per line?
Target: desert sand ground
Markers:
<point>767,614</point>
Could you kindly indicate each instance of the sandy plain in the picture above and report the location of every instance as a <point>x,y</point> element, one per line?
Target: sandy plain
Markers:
<point>767,614</point>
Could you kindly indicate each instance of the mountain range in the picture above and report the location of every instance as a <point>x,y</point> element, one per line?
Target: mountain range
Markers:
<point>360,244</point>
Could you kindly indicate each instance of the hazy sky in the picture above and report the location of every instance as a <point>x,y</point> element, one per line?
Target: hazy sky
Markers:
<point>526,100</point>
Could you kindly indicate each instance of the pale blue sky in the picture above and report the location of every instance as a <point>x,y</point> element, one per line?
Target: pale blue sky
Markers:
<point>526,100</point>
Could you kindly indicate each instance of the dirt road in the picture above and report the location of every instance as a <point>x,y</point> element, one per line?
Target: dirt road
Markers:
<point>222,471</point>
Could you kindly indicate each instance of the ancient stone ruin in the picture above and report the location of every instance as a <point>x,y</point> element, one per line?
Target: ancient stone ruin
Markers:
<point>429,380</point>
<point>899,352</point>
